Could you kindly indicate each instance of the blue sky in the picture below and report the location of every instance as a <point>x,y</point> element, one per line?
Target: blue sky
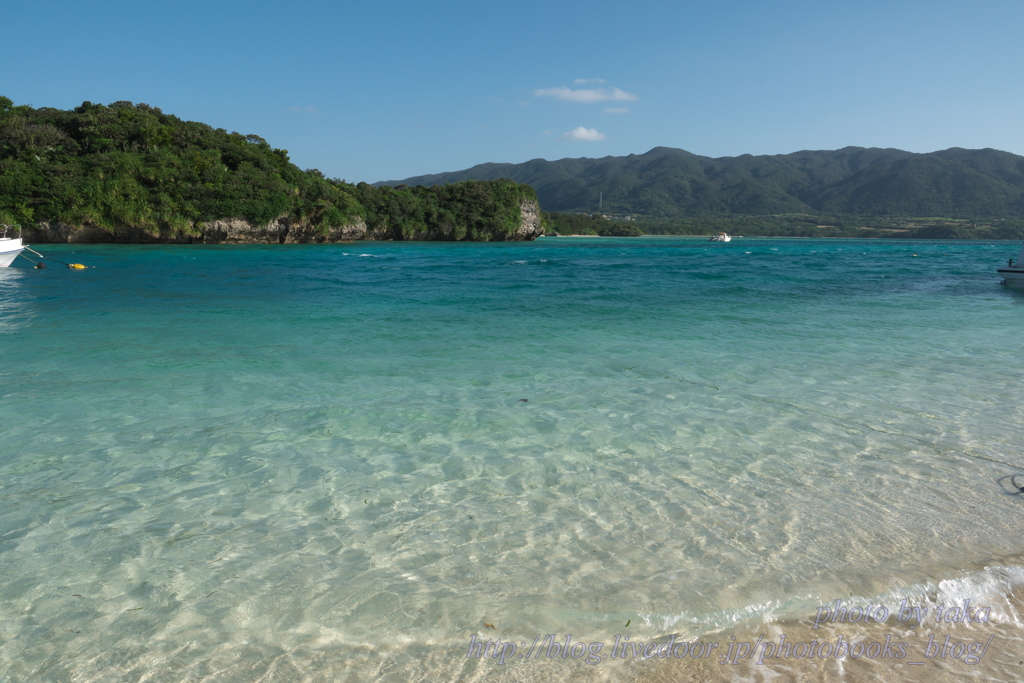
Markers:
<point>385,90</point>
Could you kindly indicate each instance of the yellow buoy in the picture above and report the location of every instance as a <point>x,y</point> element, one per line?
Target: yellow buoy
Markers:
<point>76,266</point>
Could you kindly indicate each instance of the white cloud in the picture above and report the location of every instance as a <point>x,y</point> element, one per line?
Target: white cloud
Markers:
<point>304,110</point>
<point>616,110</point>
<point>586,134</point>
<point>580,81</point>
<point>586,95</point>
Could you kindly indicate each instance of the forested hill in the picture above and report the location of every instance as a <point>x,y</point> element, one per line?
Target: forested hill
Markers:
<point>129,172</point>
<point>668,182</point>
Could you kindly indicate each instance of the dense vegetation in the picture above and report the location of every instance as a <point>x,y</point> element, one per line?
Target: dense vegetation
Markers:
<point>470,210</point>
<point>573,224</point>
<point>804,225</point>
<point>132,165</point>
<point>670,183</point>
<point>791,225</point>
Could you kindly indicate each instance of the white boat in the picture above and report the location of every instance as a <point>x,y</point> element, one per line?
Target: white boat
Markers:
<point>1013,273</point>
<point>720,237</point>
<point>10,247</point>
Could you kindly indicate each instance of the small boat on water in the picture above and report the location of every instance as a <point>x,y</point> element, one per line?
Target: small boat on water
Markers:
<point>720,237</point>
<point>1013,273</point>
<point>10,247</point>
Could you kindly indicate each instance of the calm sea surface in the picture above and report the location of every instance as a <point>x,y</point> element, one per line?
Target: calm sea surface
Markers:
<point>347,462</point>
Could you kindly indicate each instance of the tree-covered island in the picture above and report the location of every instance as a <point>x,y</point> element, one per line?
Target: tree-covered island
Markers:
<point>131,173</point>
<point>128,172</point>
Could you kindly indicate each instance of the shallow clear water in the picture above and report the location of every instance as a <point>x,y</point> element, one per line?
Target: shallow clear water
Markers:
<point>339,462</point>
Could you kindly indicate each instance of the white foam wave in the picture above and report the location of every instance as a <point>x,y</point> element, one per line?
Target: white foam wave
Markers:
<point>991,587</point>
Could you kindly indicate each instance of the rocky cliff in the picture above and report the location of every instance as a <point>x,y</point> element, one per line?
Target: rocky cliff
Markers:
<point>238,231</point>
<point>530,228</point>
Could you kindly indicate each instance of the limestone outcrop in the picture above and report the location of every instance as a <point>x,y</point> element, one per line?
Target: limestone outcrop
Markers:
<point>530,228</point>
<point>238,231</point>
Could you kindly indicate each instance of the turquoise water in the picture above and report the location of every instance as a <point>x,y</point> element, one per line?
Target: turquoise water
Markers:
<point>339,462</point>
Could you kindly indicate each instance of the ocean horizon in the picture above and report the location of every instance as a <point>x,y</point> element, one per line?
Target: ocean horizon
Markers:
<point>432,461</point>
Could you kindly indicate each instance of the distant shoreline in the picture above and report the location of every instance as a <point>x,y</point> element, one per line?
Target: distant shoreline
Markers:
<point>793,237</point>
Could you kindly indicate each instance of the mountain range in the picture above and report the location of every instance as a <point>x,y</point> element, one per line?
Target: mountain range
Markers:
<point>668,182</point>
